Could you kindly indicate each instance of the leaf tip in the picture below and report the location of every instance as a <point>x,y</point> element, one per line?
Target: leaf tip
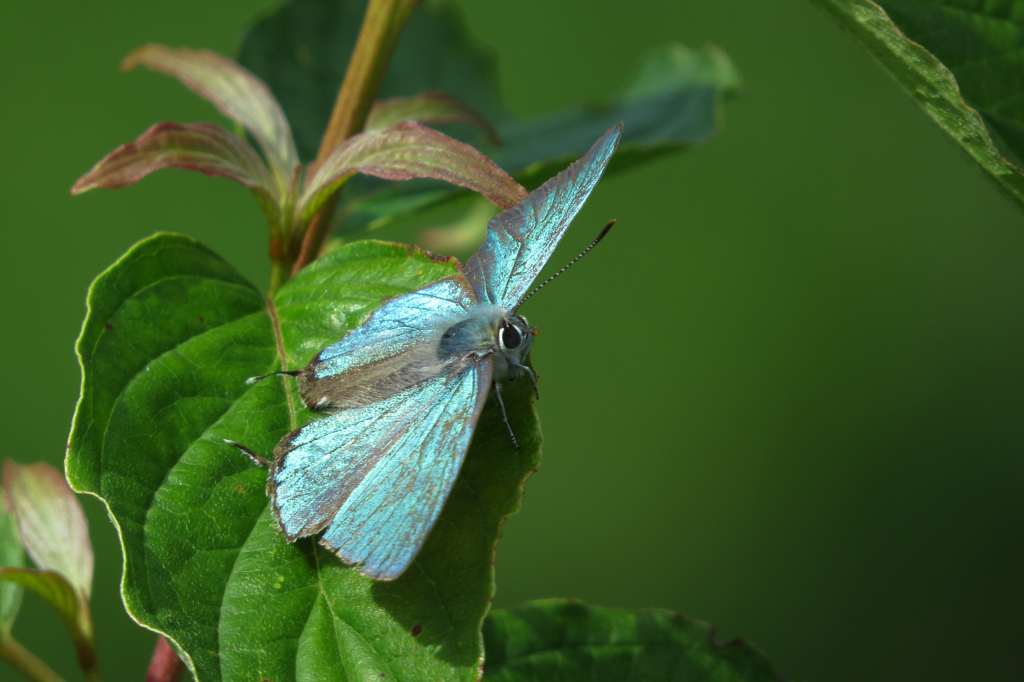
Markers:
<point>137,56</point>
<point>82,184</point>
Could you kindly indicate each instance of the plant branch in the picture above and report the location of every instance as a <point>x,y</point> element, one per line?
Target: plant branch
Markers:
<point>25,661</point>
<point>315,234</point>
<point>382,26</point>
<point>165,666</point>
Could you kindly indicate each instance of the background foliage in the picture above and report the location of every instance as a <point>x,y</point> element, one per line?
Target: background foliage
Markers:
<point>815,356</point>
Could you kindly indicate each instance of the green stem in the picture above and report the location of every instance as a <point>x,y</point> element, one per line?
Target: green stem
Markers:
<point>87,661</point>
<point>382,27</point>
<point>93,674</point>
<point>84,637</point>
<point>280,272</point>
<point>25,661</point>
<point>315,234</point>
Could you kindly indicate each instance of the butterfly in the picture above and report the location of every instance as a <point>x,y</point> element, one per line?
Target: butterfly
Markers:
<point>403,392</point>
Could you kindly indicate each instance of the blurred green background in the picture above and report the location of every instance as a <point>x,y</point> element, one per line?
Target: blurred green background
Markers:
<point>784,396</point>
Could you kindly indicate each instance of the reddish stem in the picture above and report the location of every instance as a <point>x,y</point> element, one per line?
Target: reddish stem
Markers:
<point>165,666</point>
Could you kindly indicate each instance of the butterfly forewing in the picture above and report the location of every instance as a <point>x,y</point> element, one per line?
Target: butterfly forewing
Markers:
<point>521,239</point>
<point>394,349</point>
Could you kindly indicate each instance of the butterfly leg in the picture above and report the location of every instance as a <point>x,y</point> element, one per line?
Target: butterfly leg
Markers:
<point>504,417</point>
<point>523,369</point>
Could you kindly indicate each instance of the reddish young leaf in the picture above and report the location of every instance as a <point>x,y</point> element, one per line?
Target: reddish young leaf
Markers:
<point>428,108</point>
<point>235,91</point>
<point>51,523</point>
<point>405,151</point>
<point>55,534</point>
<point>203,147</point>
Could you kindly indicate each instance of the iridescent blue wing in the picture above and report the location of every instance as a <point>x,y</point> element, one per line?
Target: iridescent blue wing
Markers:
<point>395,348</point>
<point>377,476</point>
<point>520,240</point>
<point>395,327</point>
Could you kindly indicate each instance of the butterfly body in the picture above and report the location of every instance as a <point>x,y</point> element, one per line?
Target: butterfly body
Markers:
<point>402,392</point>
<point>489,330</point>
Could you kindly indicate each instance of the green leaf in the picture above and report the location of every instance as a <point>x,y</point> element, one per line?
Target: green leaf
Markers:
<point>672,102</point>
<point>203,147</point>
<point>55,589</point>
<point>674,66</point>
<point>236,92</point>
<point>429,108</point>
<point>171,335</point>
<point>405,151</point>
<point>12,555</point>
<point>462,235</point>
<point>51,522</point>
<point>302,49</point>
<point>960,61</point>
<point>564,639</point>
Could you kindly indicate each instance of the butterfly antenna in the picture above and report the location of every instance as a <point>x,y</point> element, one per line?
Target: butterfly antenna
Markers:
<point>582,254</point>
<point>252,380</point>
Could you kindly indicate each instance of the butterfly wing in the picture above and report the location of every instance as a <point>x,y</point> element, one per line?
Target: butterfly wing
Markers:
<point>521,239</point>
<point>394,349</point>
<point>378,475</point>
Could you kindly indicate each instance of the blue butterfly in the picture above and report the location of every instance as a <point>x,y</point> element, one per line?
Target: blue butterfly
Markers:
<point>403,392</point>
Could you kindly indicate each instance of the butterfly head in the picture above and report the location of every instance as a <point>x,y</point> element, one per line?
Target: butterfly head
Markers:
<point>513,336</point>
<point>489,330</point>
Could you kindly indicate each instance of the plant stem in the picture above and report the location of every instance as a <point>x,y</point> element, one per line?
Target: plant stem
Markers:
<point>83,634</point>
<point>87,659</point>
<point>315,234</point>
<point>165,666</point>
<point>378,37</point>
<point>25,661</point>
<point>382,26</point>
<point>280,272</point>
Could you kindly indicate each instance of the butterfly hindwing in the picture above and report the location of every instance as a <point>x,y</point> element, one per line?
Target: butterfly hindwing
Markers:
<point>521,239</point>
<point>378,475</point>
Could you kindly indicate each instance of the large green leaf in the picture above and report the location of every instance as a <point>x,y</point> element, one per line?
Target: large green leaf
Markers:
<point>961,62</point>
<point>171,335</point>
<point>563,639</point>
<point>301,51</point>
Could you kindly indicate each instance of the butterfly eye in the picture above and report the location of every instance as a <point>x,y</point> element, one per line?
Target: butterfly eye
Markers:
<point>510,337</point>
